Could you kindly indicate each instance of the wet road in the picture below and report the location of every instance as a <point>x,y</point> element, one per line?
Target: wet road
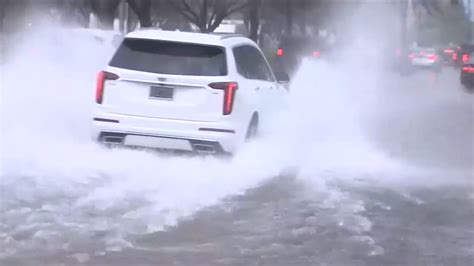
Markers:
<point>385,178</point>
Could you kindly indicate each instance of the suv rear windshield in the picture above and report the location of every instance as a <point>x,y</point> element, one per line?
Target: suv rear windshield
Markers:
<point>174,58</point>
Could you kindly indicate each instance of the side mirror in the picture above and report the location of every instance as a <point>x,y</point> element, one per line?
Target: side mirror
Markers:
<point>282,77</point>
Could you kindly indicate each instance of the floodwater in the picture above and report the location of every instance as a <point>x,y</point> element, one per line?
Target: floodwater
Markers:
<point>363,167</point>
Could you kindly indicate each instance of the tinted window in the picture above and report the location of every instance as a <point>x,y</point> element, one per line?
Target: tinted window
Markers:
<point>170,58</point>
<point>251,64</point>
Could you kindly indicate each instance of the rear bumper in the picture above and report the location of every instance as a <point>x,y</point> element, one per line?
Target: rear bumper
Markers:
<point>426,64</point>
<point>467,80</point>
<point>192,136</point>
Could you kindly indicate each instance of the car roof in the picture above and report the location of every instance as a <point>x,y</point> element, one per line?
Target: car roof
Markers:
<point>188,37</point>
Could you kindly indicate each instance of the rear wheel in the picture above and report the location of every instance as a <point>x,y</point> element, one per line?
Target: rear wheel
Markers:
<point>468,86</point>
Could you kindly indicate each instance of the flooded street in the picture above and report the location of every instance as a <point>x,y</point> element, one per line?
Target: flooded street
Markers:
<point>363,168</point>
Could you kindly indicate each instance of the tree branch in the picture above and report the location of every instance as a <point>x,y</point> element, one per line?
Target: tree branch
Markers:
<point>237,7</point>
<point>225,12</point>
<point>191,16</point>
<point>188,8</point>
<point>213,15</point>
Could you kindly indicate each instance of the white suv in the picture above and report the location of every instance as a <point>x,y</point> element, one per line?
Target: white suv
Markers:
<point>195,92</point>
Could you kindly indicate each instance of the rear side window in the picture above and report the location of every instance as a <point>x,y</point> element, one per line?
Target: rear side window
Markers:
<point>172,58</point>
<point>251,64</point>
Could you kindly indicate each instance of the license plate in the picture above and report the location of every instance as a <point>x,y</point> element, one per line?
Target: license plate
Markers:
<point>422,60</point>
<point>163,93</point>
<point>158,143</point>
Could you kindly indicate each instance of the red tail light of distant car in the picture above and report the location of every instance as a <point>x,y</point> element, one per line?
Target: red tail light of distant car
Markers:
<point>465,58</point>
<point>468,69</point>
<point>280,52</point>
<point>432,57</point>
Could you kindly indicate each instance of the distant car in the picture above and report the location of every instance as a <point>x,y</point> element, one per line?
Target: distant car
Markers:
<point>425,57</point>
<point>193,92</point>
<point>467,73</point>
<point>462,55</point>
<point>448,53</point>
<point>292,50</point>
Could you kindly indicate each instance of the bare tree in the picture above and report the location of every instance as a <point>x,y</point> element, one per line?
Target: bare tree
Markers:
<point>3,11</point>
<point>167,17</point>
<point>254,18</point>
<point>292,13</point>
<point>207,15</point>
<point>431,6</point>
<point>142,9</point>
<point>74,11</point>
<point>105,11</point>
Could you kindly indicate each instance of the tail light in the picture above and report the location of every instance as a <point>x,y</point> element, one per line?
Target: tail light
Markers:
<point>316,53</point>
<point>465,58</point>
<point>101,78</point>
<point>411,55</point>
<point>229,89</point>
<point>432,57</point>
<point>279,52</point>
<point>455,56</point>
<point>468,69</point>
<point>448,51</point>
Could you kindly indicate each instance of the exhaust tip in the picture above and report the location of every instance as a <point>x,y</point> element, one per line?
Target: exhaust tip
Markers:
<point>205,148</point>
<point>112,140</point>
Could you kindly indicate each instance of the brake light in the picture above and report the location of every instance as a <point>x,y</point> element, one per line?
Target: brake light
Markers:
<point>469,69</point>
<point>411,55</point>
<point>448,51</point>
<point>432,57</point>
<point>316,53</point>
<point>279,52</point>
<point>229,89</point>
<point>455,56</point>
<point>465,58</point>
<point>101,78</point>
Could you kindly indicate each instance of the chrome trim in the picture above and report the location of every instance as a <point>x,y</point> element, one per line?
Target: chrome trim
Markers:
<point>209,149</point>
<point>157,135</point>
<point>164,84</point>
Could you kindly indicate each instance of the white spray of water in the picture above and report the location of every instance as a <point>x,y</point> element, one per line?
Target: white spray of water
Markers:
<point>47,98</point>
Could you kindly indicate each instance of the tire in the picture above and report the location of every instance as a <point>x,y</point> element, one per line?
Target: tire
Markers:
<point>468,87</point>
<point>252,130</point>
